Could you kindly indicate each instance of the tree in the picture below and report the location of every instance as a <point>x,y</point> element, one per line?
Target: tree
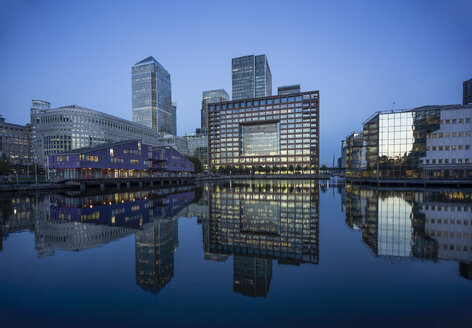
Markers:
<point>196,163</point>
<point>291,168</point>
<point>298,168</point>
<point>5,165</point>
<point>323,168</point>
<point>283,169</point>
<point>258,168</point>
<point>307,169</point>
<point>275,169</point>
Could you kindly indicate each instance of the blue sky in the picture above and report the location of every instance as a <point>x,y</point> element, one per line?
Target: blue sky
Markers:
<point>361,55</point>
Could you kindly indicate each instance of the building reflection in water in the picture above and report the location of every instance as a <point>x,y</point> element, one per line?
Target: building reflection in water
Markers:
<point>428,225</point>
<point>157,242</point>
<point>258,222</point>
<point>76,222</point>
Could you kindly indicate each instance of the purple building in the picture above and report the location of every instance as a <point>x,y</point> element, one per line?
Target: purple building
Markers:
<point>119,160</point>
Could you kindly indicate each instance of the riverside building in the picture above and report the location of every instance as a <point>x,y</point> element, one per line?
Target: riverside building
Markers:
<point>125,159</point>
<point>429,142</point>
<point>56,130</point>
<point>275,131</point>
<point>15,142</point>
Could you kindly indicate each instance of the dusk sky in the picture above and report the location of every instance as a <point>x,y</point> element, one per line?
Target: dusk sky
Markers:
<point>361,55</point>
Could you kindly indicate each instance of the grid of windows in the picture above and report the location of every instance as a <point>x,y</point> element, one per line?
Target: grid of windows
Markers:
<point>151,96</point>
<point>432,225</point>
<point>265,220</point>
<point>67,128</point>
<point>296,117</point>
<point>425,142</point>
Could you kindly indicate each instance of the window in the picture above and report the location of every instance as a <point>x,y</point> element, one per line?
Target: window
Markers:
<point>111,152</point>
<point>134,161</point>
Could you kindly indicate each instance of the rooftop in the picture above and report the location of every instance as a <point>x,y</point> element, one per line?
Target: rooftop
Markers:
<point>151,60</point>
<point>84,150</point>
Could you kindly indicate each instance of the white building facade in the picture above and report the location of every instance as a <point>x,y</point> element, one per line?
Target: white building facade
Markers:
<point>56,130</point>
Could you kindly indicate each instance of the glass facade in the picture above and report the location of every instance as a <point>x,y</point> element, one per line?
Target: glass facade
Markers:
<point>260,139</point>
<point>174,118</point>
<point>56,130</point>
<point>411,224</point>
<point>403,144</point>
<point>272,131</point>
<point>467,92</point>
<point>151,96</point>
<point>251,77</point>
<point>265,221</point>
<point>198,145</point>
<point>288,89</point>
<point>208,97</point>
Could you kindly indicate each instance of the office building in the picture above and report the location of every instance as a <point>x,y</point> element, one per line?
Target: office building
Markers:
<point>265,221</point>
<point>208,97</point>
<point>288,89</point>
<point>155,255</point>
<point>156,243</point>
<point>15,142</point>
<point>429,142</point>
<point>467,92</point>
<point>275,131</point>
<point>257,223</point>
<point>151,95</point>
<point>178,143</point>
<point>56,130</point>
<point>251,77</point>
<point>252,275</point>
<point>431,225</point>
<point>198,145</point>
<point>174,118</point>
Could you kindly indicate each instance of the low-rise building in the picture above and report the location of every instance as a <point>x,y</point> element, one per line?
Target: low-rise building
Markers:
<point>15,142</point>
<point>429,142</point>
<point>125,159</point>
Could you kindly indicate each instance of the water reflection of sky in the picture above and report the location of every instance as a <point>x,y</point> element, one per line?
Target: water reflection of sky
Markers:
<point>168,256</point>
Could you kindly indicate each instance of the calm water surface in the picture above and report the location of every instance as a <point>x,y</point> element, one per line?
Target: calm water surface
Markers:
<point>258,253</point>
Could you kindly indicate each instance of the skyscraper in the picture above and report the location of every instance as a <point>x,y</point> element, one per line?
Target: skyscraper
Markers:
<point>174,118</point>
<point>288,89</point>
<point>151,91</point>
<point>467,92</point>
<point>208,97</point>
<point>251,77</point>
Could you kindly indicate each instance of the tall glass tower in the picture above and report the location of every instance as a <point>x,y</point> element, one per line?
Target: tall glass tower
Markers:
<point>251,77</point>
<point>208,97</point>
<point>151,90</point>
